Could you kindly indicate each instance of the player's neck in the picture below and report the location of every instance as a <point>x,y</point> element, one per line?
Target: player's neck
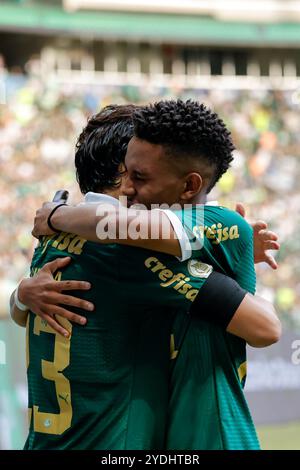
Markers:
<point>199,199</point>
<point>115,192</point>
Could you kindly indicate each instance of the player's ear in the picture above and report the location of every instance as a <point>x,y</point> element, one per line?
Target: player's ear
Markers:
<point>192,186</point>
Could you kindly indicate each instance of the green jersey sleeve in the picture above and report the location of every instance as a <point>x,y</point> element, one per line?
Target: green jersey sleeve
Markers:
<point>244,267</point>
<point>219,237</point>
<point>158,279</point>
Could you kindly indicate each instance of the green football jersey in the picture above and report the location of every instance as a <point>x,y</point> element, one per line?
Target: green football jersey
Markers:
<point>207,407</point>
<point>107,386</point>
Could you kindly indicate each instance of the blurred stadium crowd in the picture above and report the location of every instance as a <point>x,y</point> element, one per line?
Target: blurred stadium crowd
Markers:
<point>39,122</point>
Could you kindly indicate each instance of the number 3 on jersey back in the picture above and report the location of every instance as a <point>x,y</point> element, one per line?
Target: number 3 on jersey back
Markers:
<point>54,423</point>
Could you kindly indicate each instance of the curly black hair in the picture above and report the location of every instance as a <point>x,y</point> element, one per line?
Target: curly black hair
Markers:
<point>187,129</point>
<point>101,147</point>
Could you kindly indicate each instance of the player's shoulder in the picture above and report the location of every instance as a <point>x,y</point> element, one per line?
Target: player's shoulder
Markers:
<point>224,214</point>
<point>213,219</point>
<point>213,214</point>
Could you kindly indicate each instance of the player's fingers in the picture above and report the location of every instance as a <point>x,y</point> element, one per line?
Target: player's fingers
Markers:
<point>270,260</point>
<point>34,233</point>
<point>60,286</point>
<point>271,245</point>
<point>74,302</point>
<point>240,208</point>
<point>268,235</point>
<point>72,317</point>
<point>56,264</point>
<point>49,203</point>
<point>55,325</point>
<point>259,225</point>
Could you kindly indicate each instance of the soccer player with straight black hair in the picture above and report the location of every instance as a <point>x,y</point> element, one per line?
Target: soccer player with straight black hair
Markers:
<point>104,386</point>
<point>152,157</point>
<point>101,148</point>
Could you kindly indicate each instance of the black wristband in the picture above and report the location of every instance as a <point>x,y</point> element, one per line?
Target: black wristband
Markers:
<point>218,299</point>
<point>51,214</point>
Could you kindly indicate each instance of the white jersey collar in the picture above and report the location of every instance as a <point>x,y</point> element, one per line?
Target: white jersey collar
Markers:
<point>212,203</point>
<point>100,198</point>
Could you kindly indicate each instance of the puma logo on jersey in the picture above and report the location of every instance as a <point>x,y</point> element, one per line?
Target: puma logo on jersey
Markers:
<point>64,398</point>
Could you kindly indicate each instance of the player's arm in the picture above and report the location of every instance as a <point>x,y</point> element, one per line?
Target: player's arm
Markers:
<point>223,302</point>
<point>213,297</point>
<point>256,322</point>
<point>18,315</point>
<point>88,220</point>
<point>108,224</point>
<point>45,297</point>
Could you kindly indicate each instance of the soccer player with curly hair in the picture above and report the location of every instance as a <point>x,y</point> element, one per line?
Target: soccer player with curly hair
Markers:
<point>207,408</point>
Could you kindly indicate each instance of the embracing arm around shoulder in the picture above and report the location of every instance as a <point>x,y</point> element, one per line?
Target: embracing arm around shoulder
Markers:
<point>109,224</point>
<point>90,221</point>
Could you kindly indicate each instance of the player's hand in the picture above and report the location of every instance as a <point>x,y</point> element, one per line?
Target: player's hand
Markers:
<point>44,296</point>
<point>40,221</point>
<point>264,240</point>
